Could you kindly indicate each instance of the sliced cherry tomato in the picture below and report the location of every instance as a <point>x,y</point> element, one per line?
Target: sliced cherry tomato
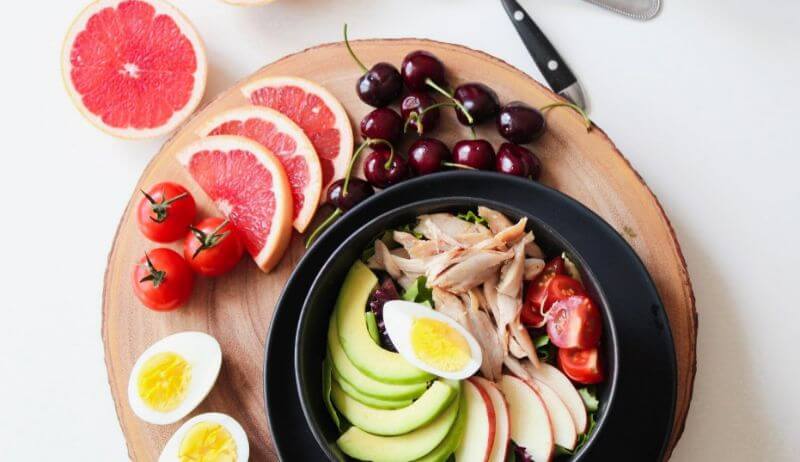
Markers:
<point>162,280</point>
<point>574,322</point>
<point>165,212</point>
<point>534,306</point>
<point>560,287</point>
<point>581,365</point>
<point>213,247</point>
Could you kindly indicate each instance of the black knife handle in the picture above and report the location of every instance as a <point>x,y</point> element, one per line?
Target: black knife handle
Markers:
<point>554,69</point>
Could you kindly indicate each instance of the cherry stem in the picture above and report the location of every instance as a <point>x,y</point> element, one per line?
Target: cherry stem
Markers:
<point>586,120</point>
<point>350,50</point>
<point>416,117</point>
<point>446,93</point>
<point>455,165</point>
<point>322,226</point>
<point>367,142</point>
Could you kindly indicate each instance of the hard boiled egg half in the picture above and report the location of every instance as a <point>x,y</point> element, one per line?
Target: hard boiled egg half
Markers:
<point>173,376</point>
<point>208,437</point>
<point>431,341</point>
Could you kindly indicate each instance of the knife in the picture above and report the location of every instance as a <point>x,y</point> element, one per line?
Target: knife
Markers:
<point>544,54</point>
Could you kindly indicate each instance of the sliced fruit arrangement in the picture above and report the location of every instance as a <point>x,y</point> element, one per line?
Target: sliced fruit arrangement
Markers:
<point>316,111</point>
<point>285,139</point>
<point>249,186</point>
<point>134,68</point>
<point>434,302</point>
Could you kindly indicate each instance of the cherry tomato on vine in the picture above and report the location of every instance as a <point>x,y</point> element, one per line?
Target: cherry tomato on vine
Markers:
<point>534,306</point>
<point>574,322</point>
<point>162,280</point>
<point>581,365</point>
<point>165,212</point>
<point>213,247</point>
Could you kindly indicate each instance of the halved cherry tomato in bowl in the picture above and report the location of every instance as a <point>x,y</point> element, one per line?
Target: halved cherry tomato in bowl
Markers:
<point>162,280</point>
<point>534,306</point>
<point>581,365</point>
<point>213,247</point>
<point>165,212</point>
<point>560,287</point>
<point>574,322</point>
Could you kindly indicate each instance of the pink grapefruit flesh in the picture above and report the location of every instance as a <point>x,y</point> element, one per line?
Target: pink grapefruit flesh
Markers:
<point>248,185</point>
<point>316,111</point>
<point>286,140</point>
<point>134,68</point>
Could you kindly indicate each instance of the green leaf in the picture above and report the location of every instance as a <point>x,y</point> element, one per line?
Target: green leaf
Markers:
<point>472,217</point>
<point>582,439</point>
<point>372,327</point>
<point>409,228</point>
<point>589,398</point>
<point>369,251</point>
<point>541,341</point>
<point>327,373</point>
<point>419,293</point>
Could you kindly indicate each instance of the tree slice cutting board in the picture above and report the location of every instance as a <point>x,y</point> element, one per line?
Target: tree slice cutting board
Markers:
<point>237,308</point>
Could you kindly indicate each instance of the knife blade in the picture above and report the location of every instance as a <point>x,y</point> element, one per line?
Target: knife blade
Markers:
<point>544,54</point>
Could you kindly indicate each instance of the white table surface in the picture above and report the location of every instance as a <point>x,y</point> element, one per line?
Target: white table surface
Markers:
<point>703,101</point>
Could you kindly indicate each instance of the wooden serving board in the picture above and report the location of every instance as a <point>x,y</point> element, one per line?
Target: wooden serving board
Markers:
<point>237,308</point>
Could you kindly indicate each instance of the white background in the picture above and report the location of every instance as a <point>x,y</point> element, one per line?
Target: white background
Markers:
<point>703,101</point>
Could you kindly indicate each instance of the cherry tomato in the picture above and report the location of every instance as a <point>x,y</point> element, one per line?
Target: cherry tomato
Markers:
<point>165,212</point>
<point>581,365</point>
<point>162,280</point>
<point>574,322</point>
<point>560,287</point>
<point>534,306</point>
<point>213,247</point>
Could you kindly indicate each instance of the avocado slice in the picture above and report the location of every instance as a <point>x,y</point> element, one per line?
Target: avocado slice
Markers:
<point>377,403</point>
<point>364,384</point>
<point>369,358</point>
<point>394,421</point>
<point>453,439</point>
<point>359,444</point>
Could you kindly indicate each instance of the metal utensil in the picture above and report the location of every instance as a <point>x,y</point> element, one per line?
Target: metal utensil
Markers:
<point>544,54</point>
<point>642,10</point>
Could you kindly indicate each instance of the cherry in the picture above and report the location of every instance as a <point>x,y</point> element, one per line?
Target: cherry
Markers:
<point>378,86</point>
<point>428,155</point>
<point>382,123</point>
<point>519,123</point>
<point>479,100</point>
<point>477,154</point>
<point>383,168</point>
<point>344,194</point>
<point>517,160</point>
<point>420,111</point>
<point>534,165</point>
<point>420,66</point>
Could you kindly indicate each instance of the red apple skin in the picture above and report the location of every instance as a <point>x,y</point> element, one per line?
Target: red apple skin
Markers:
<point>504,432</point>
<point>490,414</point>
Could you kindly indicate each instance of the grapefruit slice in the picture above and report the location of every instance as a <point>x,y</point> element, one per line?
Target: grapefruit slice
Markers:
<point>248,185</point>
<point>316,111</point>
<point>285,139</point>
<point>134,68</point>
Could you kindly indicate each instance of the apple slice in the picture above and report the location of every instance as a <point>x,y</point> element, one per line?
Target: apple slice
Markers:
<point>530,423</point>
<point>564,433</point>
<point>476,445</point>
<point>501,418</point>
<point>560,384</point>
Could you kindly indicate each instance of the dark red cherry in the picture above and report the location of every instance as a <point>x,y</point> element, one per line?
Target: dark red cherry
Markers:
<point>380,85</point>
<point>512,160</point>
<point>415,104</point>
<point>382,169</point>
<point>478,154</point>
<point>358,190</point>
<point>419,66</point>
<point>533,163</point>
<point>384,124</point>
<point>427,155</point>
<point>519,123</point>
<point>479,100</point>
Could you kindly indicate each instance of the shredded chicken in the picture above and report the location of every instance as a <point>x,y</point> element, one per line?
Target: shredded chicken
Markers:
<point>483,329</point>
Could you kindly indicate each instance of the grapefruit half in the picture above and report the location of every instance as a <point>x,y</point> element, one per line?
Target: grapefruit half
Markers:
<point>248,185</point>
<point>285,139</point>
<point>134,68</point>
<point>316,111</point>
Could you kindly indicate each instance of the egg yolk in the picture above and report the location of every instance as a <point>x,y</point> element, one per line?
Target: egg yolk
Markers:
<point>208,442</point>
<point>164,381</point>
<point>439,345</point>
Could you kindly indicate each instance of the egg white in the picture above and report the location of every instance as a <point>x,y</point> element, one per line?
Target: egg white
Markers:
<point>398,316</point>
<point>173,446</point>
<point>204,356</point>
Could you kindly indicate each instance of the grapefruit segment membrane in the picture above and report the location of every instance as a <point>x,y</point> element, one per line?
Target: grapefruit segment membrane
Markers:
<point>321,116</point>
<point>248,185</point>
<point>288,142</point>
<point>134,68</point>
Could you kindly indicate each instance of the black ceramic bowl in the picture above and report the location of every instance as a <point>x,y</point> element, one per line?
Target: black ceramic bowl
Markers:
<point>638,396</point>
